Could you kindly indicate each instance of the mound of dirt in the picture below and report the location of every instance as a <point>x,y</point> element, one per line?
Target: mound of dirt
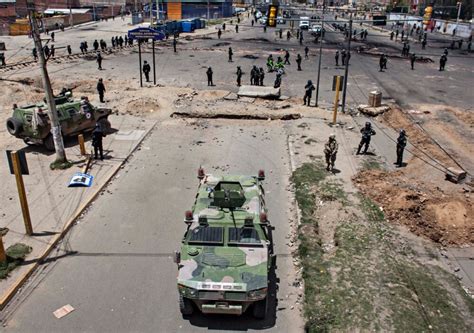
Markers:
<point>140,106</point>
<point>428,211</point>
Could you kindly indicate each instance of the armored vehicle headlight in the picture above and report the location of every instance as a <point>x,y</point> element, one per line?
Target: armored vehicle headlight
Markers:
<point>188,292</point>
<point>257,294</point>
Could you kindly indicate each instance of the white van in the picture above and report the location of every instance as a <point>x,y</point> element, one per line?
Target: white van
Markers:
<point>304,23</point>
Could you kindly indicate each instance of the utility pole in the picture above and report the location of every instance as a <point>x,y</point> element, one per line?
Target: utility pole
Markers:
<point>346,71</point>
<point>151,12</point>
<point>459,3</point>
<point>52,112</point>
<point>208,15</point>
<point>319,62</point>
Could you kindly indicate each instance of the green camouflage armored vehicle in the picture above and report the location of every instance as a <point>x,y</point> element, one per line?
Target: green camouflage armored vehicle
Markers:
<point>31,123</point>
<point>227,250</point>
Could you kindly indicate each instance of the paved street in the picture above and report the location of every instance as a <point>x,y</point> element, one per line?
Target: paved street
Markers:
<point>115,266</point>
<point>128,283</point>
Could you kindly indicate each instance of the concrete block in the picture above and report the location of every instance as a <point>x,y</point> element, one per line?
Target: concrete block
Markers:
<point>258,91</point>
<point>455,175</point>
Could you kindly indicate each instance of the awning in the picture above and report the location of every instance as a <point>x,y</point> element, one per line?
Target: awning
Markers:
<point>66,10</point>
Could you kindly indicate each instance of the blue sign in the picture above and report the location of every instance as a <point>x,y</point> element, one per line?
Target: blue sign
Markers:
<point>81,180</point>
<point>146,33</point>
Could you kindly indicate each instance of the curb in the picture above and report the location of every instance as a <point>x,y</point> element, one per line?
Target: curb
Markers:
<point>4,299</point>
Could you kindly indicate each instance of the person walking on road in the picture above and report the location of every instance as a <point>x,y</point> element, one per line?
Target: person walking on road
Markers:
<point>298,61</point>
<point>330,152</point>
<point>288,35</point>
<point>367,133</point>
<point>396,35</point>
<point>236,28</point>
<point>412,61</point>
<point>209,73</point>
<point>401,144</point>
<point>308,92</point>
<point>69,51</point>
<point>343,57</point>
<point>175,42</point>
<point>95,45</point>
<point>223,26</point>
<point>423,44</point>
<point>99,60</point>
<point>391,35</point>
<point>306,52</point>
<point>261,76</point>
<point>146,70</point>
<point>101,90</point>
<point>97,136</point>
<point>336,57</point>
<point>442,62</point>
<point>52,36</point>
<point>287,58</point>
<point>254,73</point>
<point>230,54</point>
<point>219,34</point>
<point>280,32</point>
<point>381,62</point>
<point>277,82</point>
<point>35,54</point>
<point>239,76</point>
<point>52,51</point>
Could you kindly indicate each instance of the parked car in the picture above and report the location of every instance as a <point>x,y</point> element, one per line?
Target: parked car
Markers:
<point>304,23</point>
<point>280,20</point>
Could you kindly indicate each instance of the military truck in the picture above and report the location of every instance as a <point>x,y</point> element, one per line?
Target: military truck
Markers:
<point>32,124</point>
<point>227,251</point>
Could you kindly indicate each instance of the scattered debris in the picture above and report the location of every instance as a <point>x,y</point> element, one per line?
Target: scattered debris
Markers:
<point>63,311</point>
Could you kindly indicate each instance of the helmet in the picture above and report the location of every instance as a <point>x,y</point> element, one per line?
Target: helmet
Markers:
<point>332,136</point>
<point>310,82</point>
<point>368,124</point>
<point>402,132</point>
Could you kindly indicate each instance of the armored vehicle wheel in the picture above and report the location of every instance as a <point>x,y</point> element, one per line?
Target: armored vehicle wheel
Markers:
<point>260,309</point>
<point>185,306</point>
<point>14,126</point>
<point>49,142</point>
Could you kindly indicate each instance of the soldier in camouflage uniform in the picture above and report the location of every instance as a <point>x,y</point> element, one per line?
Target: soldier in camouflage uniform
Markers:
<point>330,151</point>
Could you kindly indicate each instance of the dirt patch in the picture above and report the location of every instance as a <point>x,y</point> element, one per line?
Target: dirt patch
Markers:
<point>426,210</point>
<point>141,106</point>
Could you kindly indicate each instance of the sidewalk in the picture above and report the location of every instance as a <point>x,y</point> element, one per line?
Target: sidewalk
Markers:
<point>54,206</point>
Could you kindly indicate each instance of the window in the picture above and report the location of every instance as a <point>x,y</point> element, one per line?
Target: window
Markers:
<point>243,236</point>
<point>206,235</point>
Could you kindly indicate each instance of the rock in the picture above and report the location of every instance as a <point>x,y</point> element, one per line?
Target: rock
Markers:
<point>259,91</point>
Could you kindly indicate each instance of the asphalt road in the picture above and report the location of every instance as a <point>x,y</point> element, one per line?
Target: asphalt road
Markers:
<point>121,277</point>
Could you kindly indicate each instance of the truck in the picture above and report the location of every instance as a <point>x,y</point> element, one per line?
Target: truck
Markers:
<point>226,253</point>
<point>304,23</point>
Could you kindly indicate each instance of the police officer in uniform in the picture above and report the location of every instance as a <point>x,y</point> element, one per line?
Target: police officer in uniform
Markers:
<point>230,54</point>
<point>412,60</point>
<point>442,62</point>
<point>99,60</point>
<point>367,133</point>
<point>306,51</point>
<point>239,76</point>
<point>97,136</point>
<point>209,73</point>
<point>298,61</point>
<point>101,90</point>
<point>146,70</point>
<point>261,76</point>
<point>287,58</point>
<point>401,144</point>
<point>309,87</point>
<point>337,58</point>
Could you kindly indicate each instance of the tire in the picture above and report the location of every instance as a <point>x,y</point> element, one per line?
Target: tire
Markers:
<point>48,142</point>
<point>14,126</point>
<point>185,306</point>
<point>260,309</point>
